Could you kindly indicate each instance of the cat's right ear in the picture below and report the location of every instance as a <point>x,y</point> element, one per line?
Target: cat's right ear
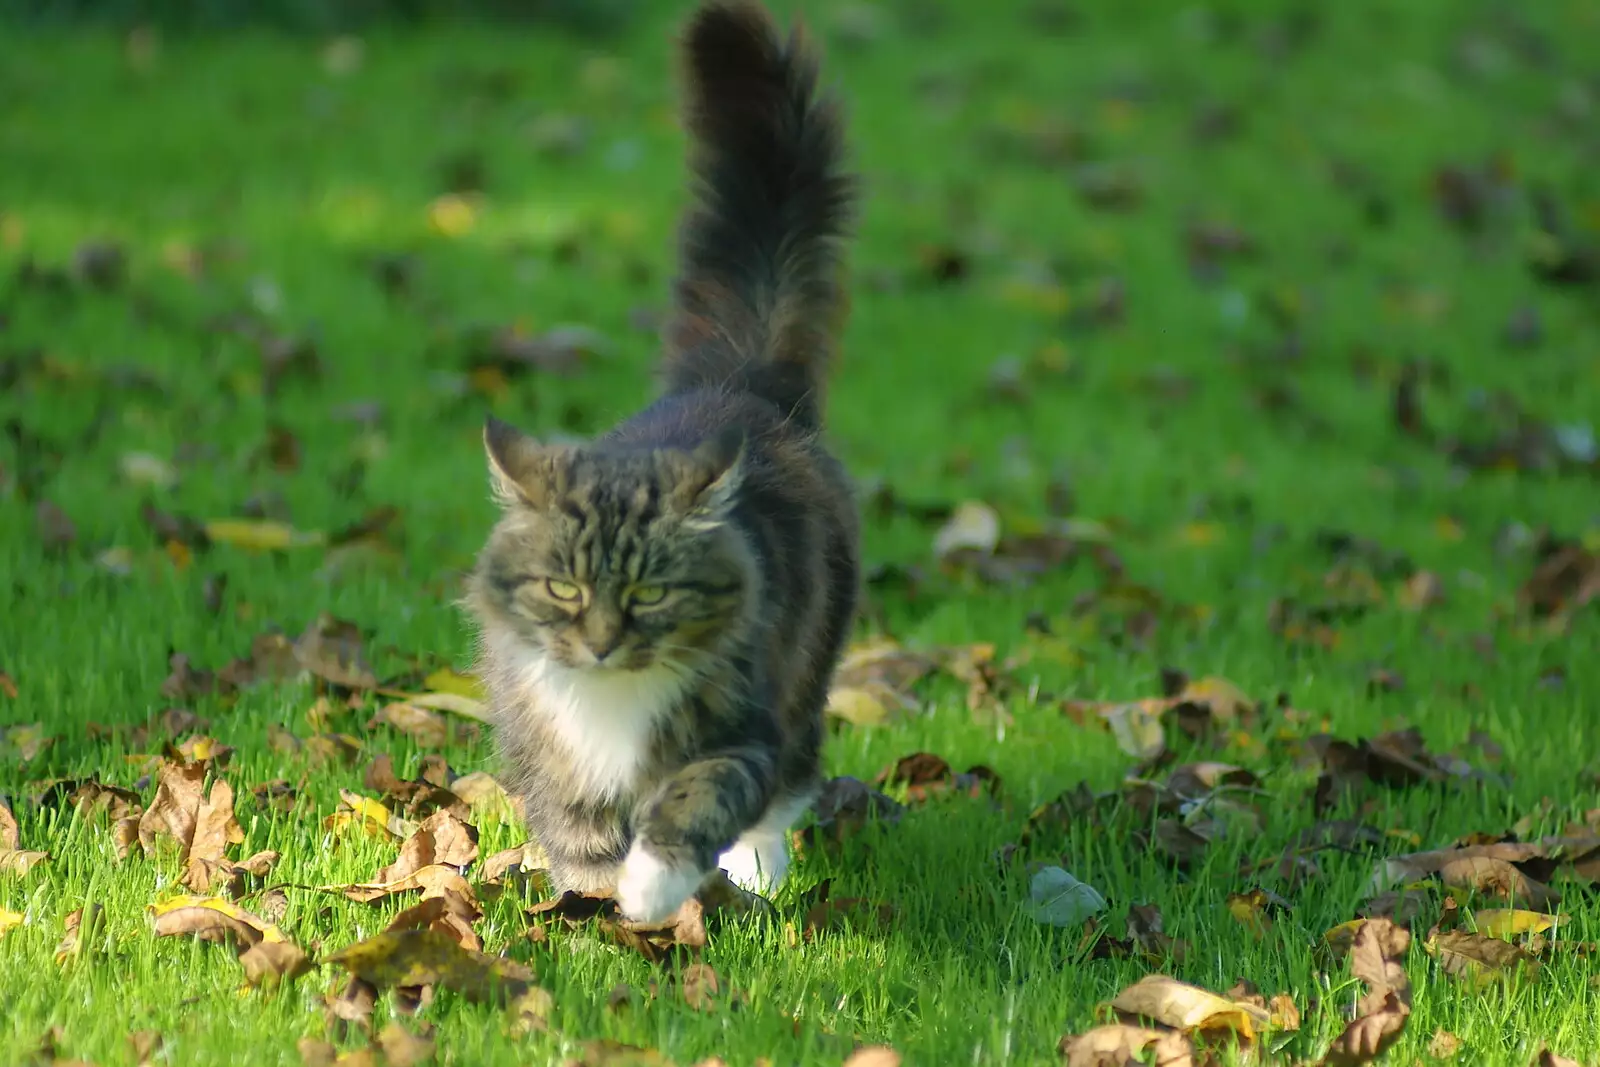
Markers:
<point>518,465</point>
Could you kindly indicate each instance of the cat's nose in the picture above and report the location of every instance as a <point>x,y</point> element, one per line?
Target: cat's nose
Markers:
<point>602,647</point>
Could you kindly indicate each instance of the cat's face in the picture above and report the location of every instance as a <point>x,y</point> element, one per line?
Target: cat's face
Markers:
<point>615,560</point>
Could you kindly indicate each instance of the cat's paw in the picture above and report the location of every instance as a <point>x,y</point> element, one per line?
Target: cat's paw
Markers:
<point>650,889</point>
<point>756,863</point>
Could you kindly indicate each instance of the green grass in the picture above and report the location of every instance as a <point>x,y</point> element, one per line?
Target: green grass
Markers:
<point>295,178</point>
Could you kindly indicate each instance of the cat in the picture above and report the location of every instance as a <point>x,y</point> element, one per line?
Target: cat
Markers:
<point>660,610</point>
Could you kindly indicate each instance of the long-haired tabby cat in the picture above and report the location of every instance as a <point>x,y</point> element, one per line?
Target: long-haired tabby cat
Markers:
<point>661,609</point>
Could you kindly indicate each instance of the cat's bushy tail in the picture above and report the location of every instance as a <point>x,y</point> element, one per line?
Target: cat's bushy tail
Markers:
<point>759,297</point>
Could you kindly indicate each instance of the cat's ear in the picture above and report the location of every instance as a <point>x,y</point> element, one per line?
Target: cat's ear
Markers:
<point>720,464</point>
<point>519,466</point>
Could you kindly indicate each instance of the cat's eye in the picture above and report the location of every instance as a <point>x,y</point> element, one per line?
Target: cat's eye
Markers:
<point>565,592</point>
<point>647,595</point>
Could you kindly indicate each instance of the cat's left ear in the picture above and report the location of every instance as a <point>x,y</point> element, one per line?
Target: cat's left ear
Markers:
<point>720,461</point>
<point>519,466</point>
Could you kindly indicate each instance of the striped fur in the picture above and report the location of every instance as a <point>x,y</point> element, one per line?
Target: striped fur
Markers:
<point>660,610</point>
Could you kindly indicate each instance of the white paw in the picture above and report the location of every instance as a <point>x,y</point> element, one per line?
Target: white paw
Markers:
<point>650,890</point>
<point>756,863</point>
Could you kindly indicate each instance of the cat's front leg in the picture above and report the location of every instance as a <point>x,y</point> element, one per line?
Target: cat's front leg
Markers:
<point>691,819</point>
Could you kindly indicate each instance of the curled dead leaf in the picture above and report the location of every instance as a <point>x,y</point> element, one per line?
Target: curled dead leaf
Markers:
<point>1190,1009</point>
<point>1121,1045</point>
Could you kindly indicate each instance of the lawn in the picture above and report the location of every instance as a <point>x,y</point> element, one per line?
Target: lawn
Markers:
<point>1268,333</point>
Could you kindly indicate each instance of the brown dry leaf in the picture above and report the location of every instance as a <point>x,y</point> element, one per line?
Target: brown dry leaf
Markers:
<point>482,793</point>
<point>844,806</point>
<point>268,964</point>
<point>427,728</point>
<point>331,649</point>
<point>530,1012</point>
<point>926,775</point>
<point>24,741</point>
<point>404,958</point>
<point>1444,1045</point>
<point>518,864</point>
<point>215,829</point>
<point>211,919</point>
<point>402,1048</point>
<point>441,839</point>
<point>125,835</point>
<point>873,1056</point>
<point>1377,958</point>
<point>844,913</point>
<point>20,861</point>
<point>1546,1058</point>
<point>1567,578</point>
<point>81,933</point>
<point>433,879</point>
<point>1486,869</point>
<point>1479,960</point>
<point>145,1044</point>
<point>699,986</point>
<point>1189,1008</point>
<point>10,836</point>
<point>1120,1045</point>
<point>608,1053</point>
<point>176,806</point>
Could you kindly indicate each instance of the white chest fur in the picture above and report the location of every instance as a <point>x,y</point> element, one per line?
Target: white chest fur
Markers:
<point>605,718</point>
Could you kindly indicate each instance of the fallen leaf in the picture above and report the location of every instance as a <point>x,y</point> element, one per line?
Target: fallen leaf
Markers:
<point>1059,899</point>
<point>19,862</point>
<point>973,525</point>
<point>9,920</point>
<point>1120,1045</point>
<point>404,958</point>
<point>1546,1058</point>
<point>1376,958</point>
<point>1444,1045</point>
<point>402,1048</point>
<point>81,933</point>
<point>260,535</point>
<point>1479,960</point>
<point>212,919</point>
<point>176,806</point>
<point>873,1056</point>
<point>426,728</point>
<point>608,1053</point>
<point>700,986</point>
<point>844,806</point>
<point>215,828</point>
<point>331,649</point>
<point>268,964</point>
<point>1506,923</point>
<point>1189,1008</point>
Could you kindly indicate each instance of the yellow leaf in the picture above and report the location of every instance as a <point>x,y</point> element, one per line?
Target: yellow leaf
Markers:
<point>858,705</point>
<point>1190,1008</point>
<point>446,680</point>
<point>260,535</point>
<point>973,525</point>
<point>1201,533</point>
<point>20,861</point>
<point>1510,922</point>
<point>456,703</point>
<point>9,920</point>
<point>171,918</point>
<point>1137,726</point>
<point>452,215</point>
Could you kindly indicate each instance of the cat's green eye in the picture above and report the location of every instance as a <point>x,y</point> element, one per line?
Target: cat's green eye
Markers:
<point>647,595</point>
<point>563,591</point>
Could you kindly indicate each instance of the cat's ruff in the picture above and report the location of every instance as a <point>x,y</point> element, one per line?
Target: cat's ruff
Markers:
<point>606,718</point>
